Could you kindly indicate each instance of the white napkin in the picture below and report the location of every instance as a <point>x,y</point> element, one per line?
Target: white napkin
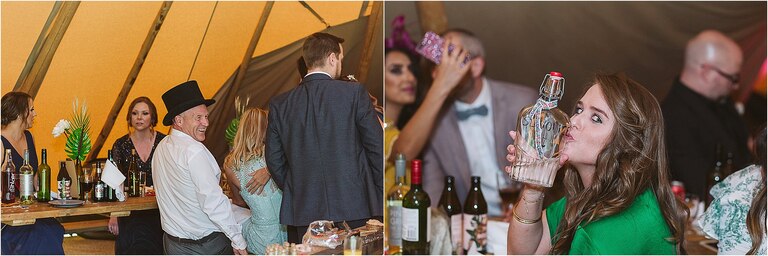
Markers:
<point>497,237</point>
<point>114,178</point>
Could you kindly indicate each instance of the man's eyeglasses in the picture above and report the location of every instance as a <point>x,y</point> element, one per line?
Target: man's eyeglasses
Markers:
<point>734,78</point>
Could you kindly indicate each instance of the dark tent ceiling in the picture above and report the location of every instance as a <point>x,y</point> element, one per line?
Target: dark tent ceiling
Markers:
<point>525,40</point>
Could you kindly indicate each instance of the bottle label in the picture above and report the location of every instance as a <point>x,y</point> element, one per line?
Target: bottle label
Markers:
<point>27,185</point>
<point>395,222</point>
<point>11,184</point>
<point>475,238</point>
<point>456,235</point>
<point>410,218</point>
<point>99,191</point>
<point>64,186</point>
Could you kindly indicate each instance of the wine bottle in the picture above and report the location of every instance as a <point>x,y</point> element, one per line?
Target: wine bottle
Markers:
<point>475,220</point>
<point>449,201</point>
<point>100,186</point>
<point>728,168</point>
<point>395,208</point>
<point>109,192</point>
<point>44,179</point>
<point>64,181</point>
<point>133,176</point>
<point>416,216</point>
<point>27,176</point>
<point>539,130</point>
<point>715,175</point>
<point>9,179</point>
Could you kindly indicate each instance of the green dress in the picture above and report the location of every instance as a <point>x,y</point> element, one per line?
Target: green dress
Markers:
<point>639,229</point>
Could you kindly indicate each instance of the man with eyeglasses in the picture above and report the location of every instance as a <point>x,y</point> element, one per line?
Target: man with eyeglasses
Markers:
<point>700,115</point>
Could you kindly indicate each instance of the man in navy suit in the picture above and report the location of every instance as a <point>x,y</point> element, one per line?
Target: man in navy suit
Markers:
<point>324,145</point>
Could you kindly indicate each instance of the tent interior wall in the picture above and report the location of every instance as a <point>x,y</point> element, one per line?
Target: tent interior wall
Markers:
<point>526,40</point>
<point>104,39</point>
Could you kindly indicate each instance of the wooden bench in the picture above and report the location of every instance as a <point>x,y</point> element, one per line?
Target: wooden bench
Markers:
<point>85,226</point>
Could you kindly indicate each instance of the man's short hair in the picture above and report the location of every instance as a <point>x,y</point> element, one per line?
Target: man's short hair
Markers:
<point>469,40</point>
<point>318,46</point>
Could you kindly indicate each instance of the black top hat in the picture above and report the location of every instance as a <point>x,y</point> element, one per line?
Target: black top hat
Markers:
<point>181,98</point>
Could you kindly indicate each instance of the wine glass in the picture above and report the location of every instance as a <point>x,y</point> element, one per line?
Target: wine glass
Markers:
<point>86,182</point>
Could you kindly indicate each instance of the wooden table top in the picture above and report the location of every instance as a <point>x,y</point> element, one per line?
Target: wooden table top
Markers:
<point>16,216</point>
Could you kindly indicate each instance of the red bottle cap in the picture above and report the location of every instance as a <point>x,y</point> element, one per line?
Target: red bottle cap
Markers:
<point>555,73</point>
<point>416,171</point>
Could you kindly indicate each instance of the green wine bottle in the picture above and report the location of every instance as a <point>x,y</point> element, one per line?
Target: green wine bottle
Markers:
<point>44,179</point>
<point>416,216</point>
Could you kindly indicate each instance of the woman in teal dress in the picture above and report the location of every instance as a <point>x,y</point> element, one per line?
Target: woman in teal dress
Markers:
<point>618,195</point>
<point>246,162</point>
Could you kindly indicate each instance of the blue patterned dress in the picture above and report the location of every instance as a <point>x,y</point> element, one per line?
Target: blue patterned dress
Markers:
<point>726,218</point>
<point>263,228</point>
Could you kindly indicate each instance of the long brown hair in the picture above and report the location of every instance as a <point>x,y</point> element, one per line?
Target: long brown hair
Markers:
<point>756,216</point>
<point>15,105</point>
<point>249,139</point>
<point>634,159</point>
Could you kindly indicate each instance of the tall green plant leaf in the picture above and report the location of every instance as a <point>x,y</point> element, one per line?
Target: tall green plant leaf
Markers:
<point>79,141</point>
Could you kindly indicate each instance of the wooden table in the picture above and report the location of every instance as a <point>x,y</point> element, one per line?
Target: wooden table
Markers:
<point>696,244</point>
<point>17,216</point>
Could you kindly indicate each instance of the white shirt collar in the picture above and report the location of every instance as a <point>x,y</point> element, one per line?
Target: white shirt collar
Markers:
<point>178,133</point>
<point>318,72</point>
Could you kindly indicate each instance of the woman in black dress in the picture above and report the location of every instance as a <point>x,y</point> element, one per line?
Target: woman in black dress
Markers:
<point>140,232</point>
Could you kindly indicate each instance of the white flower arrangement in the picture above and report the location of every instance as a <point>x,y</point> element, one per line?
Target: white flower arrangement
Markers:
<point>78,140</point>
<point>61,127</point>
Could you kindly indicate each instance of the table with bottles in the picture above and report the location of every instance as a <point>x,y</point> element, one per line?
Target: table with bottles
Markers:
<point>15,215</point>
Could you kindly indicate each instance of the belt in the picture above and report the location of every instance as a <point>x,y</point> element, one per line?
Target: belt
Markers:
<point>193,241</point>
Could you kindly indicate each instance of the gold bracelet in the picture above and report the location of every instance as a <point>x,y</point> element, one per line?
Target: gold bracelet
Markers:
<point>524,221</point>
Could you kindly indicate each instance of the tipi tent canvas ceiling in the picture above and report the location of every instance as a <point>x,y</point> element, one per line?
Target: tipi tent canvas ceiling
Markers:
<point>104,39</point>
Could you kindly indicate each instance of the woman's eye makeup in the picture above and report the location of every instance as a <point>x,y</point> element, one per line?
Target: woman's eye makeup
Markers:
<point>396,69</point>
<point>597,119</point>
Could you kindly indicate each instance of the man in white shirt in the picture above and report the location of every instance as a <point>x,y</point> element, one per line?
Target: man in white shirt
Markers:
<point>471,134</point>
<point>196,215</point>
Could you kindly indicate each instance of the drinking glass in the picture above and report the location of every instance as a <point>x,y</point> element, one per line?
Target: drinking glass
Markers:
<point>87,179</point>
<point>353,245</point>
<point>142,184</point>
<point>509,190</point>
<point>695,208</point>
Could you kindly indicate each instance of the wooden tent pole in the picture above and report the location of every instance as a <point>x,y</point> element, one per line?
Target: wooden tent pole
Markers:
<point>374,21</point>
<point>362,9</point>
<point>37,64</point>
<point>130,80</point>
<point>38,45</point>
<point>252,46</point>
<point>432,16</point>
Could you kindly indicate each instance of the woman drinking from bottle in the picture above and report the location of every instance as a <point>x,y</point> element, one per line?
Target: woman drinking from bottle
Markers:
<point>618,195</point>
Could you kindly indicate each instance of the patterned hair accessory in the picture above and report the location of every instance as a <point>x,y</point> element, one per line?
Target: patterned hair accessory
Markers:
<point>400,37</point>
